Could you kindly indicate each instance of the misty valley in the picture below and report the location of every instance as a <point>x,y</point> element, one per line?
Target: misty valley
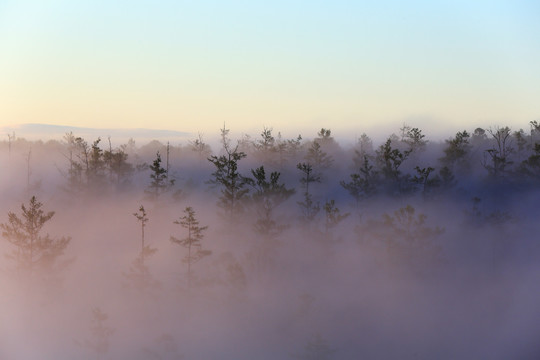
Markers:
<point>266,247</point>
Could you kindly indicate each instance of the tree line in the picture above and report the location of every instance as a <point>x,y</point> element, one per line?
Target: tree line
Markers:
<point>275,186</point>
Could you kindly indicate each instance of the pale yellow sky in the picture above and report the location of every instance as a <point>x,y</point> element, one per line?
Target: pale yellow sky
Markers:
<point>292,66</point>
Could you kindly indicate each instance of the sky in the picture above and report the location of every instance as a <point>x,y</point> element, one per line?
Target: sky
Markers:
<point>292,65</point>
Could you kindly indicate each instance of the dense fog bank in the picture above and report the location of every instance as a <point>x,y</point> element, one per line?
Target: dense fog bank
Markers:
<point>272,248</point>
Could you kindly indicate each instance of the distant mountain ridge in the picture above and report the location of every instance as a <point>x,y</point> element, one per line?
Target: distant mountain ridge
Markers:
<point>36,130</point>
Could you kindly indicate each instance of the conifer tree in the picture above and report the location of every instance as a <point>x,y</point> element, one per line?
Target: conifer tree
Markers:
<point>318,157</point>
<point>119,168</point>
<point>364,149</point>
<point>294,145</point>
<point>192,241</point>
<point>363,183</point>
<point>159,179</point>
<point>232,183</point>
<point>422,179</point>
<point>34,251</point>
<point>268,194</point>
<point>456,151</point>
<point>333,216</point>
<point>139,274</point>
<point>310,209</point>
<point>414,139</point>
<point>266,146</point>
<point>390,160</point>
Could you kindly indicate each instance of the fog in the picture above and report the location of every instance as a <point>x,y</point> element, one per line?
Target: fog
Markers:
<point>410,248</point>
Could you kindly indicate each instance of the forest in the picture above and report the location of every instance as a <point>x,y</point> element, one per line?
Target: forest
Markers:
<point>265,247</point>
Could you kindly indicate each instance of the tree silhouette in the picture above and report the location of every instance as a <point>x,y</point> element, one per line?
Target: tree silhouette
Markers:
<point>202,149</point>
<point>159,184</point>
<point>310,209</point>
<point>408,240</point>
<point>531,166</point>
<point>364,149</point>
<point>414,139</point>
<point>267,196</point>
<point>390,160</point>
<point>318,157</point>
<point>423,181</point>
<point>497,159</point>
<point>78,163</point>
<point>33,250</point>
<point>119,168</point>
<point>226,176</point>
<point>363,184</point>
<point>333,216</point>
<point>266,147</point>
<point>139,274</point>
<point>96,167</point>
<point>456,151</point>
<point>192,241</point>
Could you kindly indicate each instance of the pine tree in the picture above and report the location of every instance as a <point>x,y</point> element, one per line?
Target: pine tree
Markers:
<point>363,183</point>
<point>159,179</point>
<point>457,150</point>
<point>266,146</point>
<point>422,179</point>
<point>333,216</point>
<point>119,168</point>
<point>139,274</point>
<point>192,241</point>
<point>268,194</point>
<point>96,167</point>
<point>318,157</point>
<point>414,139</point>
<point>390,160</point>
<point>33,250</point>
<point>310,209</point>
<point>232,183</point>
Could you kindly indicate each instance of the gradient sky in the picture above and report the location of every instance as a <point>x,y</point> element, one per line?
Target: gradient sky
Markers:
<point>292,65</point>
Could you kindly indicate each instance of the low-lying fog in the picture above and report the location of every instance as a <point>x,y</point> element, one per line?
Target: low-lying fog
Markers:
<point>406,249</point>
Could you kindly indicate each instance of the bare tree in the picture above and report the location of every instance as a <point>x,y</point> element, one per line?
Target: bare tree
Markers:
<point>11,138</point>
<point>200,147</point>
<point>497,159</point>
